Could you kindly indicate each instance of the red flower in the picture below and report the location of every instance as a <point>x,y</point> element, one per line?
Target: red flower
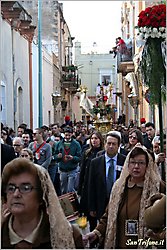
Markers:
<point>154,16</point>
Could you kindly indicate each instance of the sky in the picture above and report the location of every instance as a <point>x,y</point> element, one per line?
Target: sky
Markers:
<point>93,22</point>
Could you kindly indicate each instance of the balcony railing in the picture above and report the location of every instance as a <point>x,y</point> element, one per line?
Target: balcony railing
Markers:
<point>69,77</point>
<point>125,61</point>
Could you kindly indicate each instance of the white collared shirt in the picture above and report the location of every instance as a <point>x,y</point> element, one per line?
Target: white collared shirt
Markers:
<point>15,239</point>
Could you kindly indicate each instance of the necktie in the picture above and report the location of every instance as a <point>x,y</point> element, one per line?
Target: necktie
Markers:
<point>110,177</point>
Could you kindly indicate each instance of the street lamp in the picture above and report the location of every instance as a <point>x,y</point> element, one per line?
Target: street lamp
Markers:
<point>56,98</point>
<point>134,102</point>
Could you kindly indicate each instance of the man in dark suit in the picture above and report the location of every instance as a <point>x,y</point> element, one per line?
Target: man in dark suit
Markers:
<point>98,196</point>
<point>7,154</point>
<point>150,131</point>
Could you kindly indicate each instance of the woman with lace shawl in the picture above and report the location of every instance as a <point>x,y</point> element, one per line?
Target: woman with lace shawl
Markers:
<point>33,217</point>
<point>122,226</point>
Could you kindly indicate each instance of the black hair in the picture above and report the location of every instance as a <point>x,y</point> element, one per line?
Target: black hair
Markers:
<point>150,124</point>
<point>139,151</point>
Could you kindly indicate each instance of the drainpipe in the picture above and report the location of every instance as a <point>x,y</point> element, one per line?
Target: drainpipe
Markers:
<point>13,82</point>
<point>30,83</point>
<point>40,121</point>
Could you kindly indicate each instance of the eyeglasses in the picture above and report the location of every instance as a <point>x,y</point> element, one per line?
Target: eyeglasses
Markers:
<point>24,188</point>
<point>132,137</point>
<point>3,133</point>
<point>139,163</point>
<point>16,145</point>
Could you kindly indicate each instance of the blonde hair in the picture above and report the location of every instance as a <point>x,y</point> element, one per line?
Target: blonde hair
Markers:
<point>29,152</point>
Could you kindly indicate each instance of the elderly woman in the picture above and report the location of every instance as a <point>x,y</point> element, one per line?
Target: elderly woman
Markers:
<point>34,218</point>
<point>122,226</point>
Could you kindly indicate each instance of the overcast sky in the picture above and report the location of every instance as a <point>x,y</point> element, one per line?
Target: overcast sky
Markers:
<point>93,22</point>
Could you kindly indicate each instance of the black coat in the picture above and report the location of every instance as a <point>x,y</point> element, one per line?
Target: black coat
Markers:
<point>84,177</point>
<point>7,154</point>
<point>97,189</point>
<point>148,143</point>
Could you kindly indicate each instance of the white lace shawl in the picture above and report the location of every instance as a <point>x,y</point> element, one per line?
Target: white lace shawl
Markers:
<point>151,186</point>
<point>60,228</point>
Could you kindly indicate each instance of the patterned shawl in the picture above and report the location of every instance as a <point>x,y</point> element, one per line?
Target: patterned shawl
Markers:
<point>60,229</point>
<point>151,186</point>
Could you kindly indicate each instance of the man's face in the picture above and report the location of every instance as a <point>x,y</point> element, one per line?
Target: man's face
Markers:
<point>67,136</point>
<point>111,146</point>
<point>55,129</point>
<point>17,145</point>
<point>23,204</point>
<point>26,138</point>
<point>156,147</point>
<point>150,132</point>
<point>36,135</point>
<point>20,131</point>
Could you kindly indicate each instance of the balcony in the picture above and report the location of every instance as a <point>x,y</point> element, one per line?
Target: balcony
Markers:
<point>69,78</point>
<point>125,62</point>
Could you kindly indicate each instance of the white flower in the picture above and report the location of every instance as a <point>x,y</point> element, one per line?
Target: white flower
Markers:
<point>158,34</point>
<point>153,35</point>
<point>145,29</point>
<point>141,29</point>
<point>162,29</point>
<point>155,30</point>
<point>163,35</point>
<point>146,36</point>
<point>148,30</point>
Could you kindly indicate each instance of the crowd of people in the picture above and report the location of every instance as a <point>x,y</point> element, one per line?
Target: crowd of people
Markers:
<point>118,178</point>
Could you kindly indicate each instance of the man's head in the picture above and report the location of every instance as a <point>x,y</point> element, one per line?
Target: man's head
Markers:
<point>156,144</point>
<point>26,138</point>
<point>18,144</point>
<point>112,143</point>
<point>150,130</point>
<point>38,134</point>
<point>68,132</point>
<point>20,131</point>
<point>55,129</point>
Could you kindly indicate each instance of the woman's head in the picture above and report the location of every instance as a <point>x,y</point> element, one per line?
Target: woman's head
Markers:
<point>97,140</point>
<point>23,174</point>
<point>27,154</point>
<point>138,162</point>
<point>135,136</point>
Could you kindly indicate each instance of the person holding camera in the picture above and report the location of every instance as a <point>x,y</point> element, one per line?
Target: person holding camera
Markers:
<point>68,155</point>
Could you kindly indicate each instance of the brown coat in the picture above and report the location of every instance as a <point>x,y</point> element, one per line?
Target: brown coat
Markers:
<point>43,239</point>
<point>155,215</point>
<point>121,238</point>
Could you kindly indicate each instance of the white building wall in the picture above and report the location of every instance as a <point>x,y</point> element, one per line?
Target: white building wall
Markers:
<point>14,74</point>
<point>21,78</point>
<point>6,75</point>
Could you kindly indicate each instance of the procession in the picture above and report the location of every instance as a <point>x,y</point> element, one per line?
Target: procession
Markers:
<point>83,134</point>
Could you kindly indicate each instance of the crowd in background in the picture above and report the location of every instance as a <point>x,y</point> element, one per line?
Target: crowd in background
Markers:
<point>80,159</point>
